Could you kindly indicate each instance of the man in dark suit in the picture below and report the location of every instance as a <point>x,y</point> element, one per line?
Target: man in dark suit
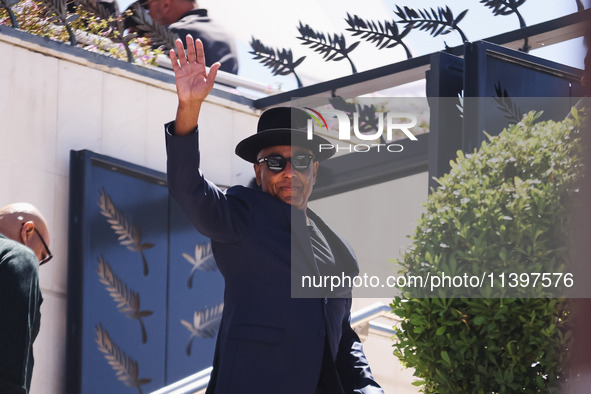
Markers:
<point>268,342</point>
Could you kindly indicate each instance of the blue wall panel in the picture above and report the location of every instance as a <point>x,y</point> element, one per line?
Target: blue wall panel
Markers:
<point>131,254</point>
<point>187,353</point>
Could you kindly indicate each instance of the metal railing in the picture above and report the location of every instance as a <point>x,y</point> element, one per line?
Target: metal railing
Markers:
<point>195,383</point>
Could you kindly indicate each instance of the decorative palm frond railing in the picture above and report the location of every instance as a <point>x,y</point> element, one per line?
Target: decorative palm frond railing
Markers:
<point>383,34</point>
<point>331,47</point>
<point>280,61</point>
<point>508,7</point>
<point>436,22</point>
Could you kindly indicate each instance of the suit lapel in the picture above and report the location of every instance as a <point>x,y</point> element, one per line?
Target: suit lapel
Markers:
<point>343,254</point>
<point>300,238</point>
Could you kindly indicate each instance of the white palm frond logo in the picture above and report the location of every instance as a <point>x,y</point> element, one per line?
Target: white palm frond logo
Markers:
<point>205,324</point>
<point>128,235</point>
<point>128,301</point>
<point>202,261</point>
<point>126,368</point>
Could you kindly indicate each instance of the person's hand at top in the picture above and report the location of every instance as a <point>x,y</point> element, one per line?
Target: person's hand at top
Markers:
<point>193,83</point>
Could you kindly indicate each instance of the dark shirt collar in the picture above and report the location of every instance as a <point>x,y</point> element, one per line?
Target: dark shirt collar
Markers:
<point>199,11</point>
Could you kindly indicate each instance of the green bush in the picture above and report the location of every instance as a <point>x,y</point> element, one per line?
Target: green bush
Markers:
<point>501,209</point>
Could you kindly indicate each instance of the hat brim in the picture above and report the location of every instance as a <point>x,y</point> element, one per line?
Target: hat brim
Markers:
<point>249,148</point>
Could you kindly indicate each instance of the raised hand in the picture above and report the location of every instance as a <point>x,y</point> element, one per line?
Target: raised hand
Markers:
<point>193,83</point>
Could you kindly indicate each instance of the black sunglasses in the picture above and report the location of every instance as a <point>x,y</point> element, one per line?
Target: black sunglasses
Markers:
<point>49,256</point>
<point>277,163</point>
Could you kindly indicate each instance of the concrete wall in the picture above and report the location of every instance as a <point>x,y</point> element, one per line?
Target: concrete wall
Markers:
<point>53,101</point>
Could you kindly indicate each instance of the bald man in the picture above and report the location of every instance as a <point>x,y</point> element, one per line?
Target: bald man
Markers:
<point>24,246</point>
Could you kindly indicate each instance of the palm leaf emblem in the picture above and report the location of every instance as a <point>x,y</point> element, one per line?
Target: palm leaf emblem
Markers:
<point>331,47</point>
<point>128,301</point>
<point>126,369</point>
<point>205,324</point>
<point>383,34</point>
<point>280,61</point>
<point>202,261</point>
<point>512,111</point>
<point>435,22</point>
<point>508,7</point>
<point>129,235</point>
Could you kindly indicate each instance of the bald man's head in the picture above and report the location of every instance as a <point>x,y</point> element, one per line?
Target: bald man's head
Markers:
<point>22,222</point>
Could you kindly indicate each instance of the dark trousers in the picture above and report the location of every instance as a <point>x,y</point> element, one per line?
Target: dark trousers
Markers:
<point>329,381</point>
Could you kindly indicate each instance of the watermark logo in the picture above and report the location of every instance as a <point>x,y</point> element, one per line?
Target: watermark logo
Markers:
<point>387,124</point>
<point>317,116</point>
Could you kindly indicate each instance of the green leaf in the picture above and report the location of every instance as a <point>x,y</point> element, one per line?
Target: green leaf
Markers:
<point>445,357</point>
<point>503,254</point>
<point>440,330</point>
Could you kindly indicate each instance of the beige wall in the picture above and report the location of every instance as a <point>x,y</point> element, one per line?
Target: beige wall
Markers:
<point>52,102</point>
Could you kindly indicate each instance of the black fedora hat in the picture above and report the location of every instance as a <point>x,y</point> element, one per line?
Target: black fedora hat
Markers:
<point>283,126</point>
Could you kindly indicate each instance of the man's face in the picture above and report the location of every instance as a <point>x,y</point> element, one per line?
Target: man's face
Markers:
<point>41,247</point>
<point>36,237</point>
<point>157,9</point>
<point>290,185</point>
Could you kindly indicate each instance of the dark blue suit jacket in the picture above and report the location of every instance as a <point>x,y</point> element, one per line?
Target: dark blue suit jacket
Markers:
<point>268,342</point>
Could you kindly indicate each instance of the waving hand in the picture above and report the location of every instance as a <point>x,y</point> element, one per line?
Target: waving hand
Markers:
<point>193,83</point>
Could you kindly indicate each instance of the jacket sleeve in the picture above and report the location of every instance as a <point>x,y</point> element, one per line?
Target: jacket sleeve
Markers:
<point>353,368</point>
<point>212,212</point>
<point>19,319</point>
